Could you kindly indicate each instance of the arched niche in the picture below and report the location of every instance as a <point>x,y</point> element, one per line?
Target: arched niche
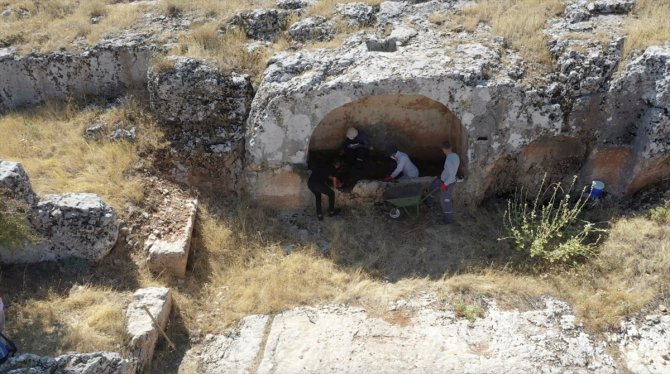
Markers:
<point>414,123</point>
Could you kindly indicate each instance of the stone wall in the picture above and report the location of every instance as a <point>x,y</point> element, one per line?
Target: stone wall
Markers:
<point>106,70</point>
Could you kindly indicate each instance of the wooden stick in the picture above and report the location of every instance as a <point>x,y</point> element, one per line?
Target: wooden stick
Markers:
<point>174,348</point>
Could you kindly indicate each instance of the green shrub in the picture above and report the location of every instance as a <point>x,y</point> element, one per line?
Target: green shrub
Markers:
<point>661,214</point>
<point>469,311</point>
<point>550,228</point>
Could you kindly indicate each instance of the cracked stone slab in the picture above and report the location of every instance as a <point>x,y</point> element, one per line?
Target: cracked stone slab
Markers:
<point>236,351</point>
<point>143,332</point>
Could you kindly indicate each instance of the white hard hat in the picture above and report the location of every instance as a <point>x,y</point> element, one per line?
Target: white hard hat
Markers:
<point>352,133</point>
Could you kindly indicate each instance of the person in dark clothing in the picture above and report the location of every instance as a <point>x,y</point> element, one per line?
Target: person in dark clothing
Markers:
<point>323,180</point>
<point>356,147</point>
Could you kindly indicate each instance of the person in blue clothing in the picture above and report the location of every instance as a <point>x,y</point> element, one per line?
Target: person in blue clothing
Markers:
<point>446,182</point>
<point>405,169</point>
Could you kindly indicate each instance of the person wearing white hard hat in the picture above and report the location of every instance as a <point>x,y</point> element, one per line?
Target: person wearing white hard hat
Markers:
<point>356,147</point>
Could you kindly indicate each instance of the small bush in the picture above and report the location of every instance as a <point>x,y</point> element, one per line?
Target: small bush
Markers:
<point>550,229</point>
<point>661,214</point>
<point>469,311</point>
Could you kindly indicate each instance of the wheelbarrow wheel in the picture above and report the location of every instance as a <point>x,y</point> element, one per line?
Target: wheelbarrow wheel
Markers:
<point>395,213</point>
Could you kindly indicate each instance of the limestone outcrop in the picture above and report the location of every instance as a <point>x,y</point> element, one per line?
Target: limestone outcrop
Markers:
<point>633,148</point>
<point>195,91</point>
<point>412,336</point>
<point>204,112</point>
<point>576,120</point>
<point>14,182</point>
<point>294,4</point>
<point>644,343</point>
<point>77,225</point>
<point>106,70</point>
<point>312,28</point>
<point>261,24</point>
<point>464,82</point>
<point>71,363</point>
<point>356,14</point>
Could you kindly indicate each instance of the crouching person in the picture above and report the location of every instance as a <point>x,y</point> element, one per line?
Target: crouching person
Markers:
<point>405,169</point>
<point>324,181</point>
<point>446,183</point>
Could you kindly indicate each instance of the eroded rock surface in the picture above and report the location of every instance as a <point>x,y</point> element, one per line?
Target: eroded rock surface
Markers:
<point>356,14</point>
<point>262,24</point>
<point>15,182</point>
<point>294,4</point>
<point>71,363</point>
<point>510,125</point>
<point>204,111</point>
<point>422,337</point>
<point>645,343</point>
<point>106,70</point>
<point>312,28</point>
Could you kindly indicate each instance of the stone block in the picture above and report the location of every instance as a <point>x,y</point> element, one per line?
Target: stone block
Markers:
<point>71,363</point>
<point>15,181</point>
<point>143,332</point>
<point>75,225</point>
<point>312,28</point>
<point>196,92</point>
<point>261,24</point>
<point>171,253</point>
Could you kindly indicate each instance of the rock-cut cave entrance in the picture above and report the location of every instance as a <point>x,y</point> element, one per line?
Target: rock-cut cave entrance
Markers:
<point>414,123</point>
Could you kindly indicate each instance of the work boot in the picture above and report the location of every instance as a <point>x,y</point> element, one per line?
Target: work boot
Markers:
<point>334,212</point>
<point>319,217</point>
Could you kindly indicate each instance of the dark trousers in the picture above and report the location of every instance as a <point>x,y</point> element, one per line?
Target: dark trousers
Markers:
<point>352,156</point>
<point>321,188</point>
<point>446,200</point>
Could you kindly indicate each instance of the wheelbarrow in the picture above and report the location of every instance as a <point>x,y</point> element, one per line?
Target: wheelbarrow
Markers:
<point>405,198</point>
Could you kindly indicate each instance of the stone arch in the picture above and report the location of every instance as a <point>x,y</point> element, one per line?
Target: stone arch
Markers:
<point>415,123</point>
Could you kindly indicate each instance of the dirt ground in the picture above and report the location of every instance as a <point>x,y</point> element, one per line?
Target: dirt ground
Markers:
<point>365,252</point>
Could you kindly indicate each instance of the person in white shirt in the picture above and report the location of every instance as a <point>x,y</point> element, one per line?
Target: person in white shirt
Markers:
<point>405,169</point>
<point>446,183</point>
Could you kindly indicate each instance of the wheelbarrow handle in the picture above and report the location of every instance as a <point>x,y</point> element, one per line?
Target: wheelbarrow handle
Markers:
<point>429,194</point>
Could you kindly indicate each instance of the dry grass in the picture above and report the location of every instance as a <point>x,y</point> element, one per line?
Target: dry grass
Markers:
<point>632,270</point>
<point>229,51</point>
<point>239,269</point>
<point>326,8</point>
<point>49,142</point>
<point>648,27</point>
<point>88,319</point>
<point>520,22</point>
<point>50,25</point>
<point>221,9</point>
